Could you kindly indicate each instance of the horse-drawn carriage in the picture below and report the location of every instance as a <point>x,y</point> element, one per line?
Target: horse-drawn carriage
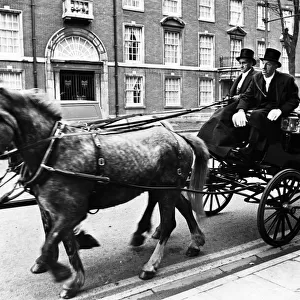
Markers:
<point>131,157</point>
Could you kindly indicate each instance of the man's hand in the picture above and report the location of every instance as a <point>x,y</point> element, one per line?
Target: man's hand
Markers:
<point>239,119</point>
<point>274,114</point>
<point>235,97</point>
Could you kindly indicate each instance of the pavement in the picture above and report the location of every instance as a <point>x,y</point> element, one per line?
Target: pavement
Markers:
<point>250,271</point>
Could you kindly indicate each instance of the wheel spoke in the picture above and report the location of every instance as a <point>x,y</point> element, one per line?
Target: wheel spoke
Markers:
<point>270,217</point>
<point>277,227</point>
<point>289,223</point>
<point>272,224</point>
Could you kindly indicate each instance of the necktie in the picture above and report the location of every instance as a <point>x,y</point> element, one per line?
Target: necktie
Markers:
<point>264,89</point>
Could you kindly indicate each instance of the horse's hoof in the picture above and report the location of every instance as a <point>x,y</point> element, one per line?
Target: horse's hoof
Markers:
<point>61,272</point>
<point>192,252</point>
<point>71,288</point>
<point>67,294</point>
<point>145,275</point>
<point>137,240</point>
<point>156,234</point>
<point>39,268</point>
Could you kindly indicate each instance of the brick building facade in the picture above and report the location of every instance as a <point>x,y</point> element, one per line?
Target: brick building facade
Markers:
<point>106,58</point>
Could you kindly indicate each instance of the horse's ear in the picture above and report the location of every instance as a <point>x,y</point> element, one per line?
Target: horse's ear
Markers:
<point>6,93</point>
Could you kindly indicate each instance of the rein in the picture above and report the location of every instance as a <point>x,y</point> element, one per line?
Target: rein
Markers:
<point>126,127</point>
<point>92,128</point>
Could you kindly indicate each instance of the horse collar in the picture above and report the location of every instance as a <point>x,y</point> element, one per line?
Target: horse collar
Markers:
<point>57,133</point>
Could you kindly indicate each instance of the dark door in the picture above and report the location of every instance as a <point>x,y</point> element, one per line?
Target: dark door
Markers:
<point>77,85</point>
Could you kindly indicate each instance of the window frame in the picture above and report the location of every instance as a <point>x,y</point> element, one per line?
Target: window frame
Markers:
<point>174,14</point>
<point>260,53</point>
<point>212,17</point>
<point>289,25</point>
<point>284,61</point>
<point>142,43</point>
<point>20,53</point>
<point>142,97</point>
<point>235,53</point>
<point>258,26</point>
<point>173,77</point>
<point>211,79</point>
<point>179,49</point>
<point>212,60</point>
<point>14,71</point>
<point>132,7</point>
<point>230,20</point>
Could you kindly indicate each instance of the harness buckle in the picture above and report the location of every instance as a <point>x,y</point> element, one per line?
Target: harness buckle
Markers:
<point>101,161</point>
<point>179,171</point>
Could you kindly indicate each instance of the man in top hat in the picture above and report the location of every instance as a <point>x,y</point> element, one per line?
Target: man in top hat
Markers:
<point>240,85</point>
<point>218,132</point>
<point>271,94</point>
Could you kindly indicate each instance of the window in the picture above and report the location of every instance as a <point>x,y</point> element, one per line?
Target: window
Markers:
<point>207,10</point>
<point>206,51</point>
<point>11,80</point>
<point>261,16</point>
<point>288,21</point>
<point>261,49</point>
<point>172,91</point>
<point>171,7</point>
<point>284,61</point>
<point>172,48</point>
<point>76,85</point>
<point>236,17</point>
<point>235,49</point>
<point>10,34</point>
<point>205,92</point>
<point>137,5</point>
<point>133,44</point>
<point>134,91</point>
<point>75,48</point>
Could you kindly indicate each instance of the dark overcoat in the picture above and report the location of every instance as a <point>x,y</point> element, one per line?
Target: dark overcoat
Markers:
<point>282,94</point>
<point>218,132</point>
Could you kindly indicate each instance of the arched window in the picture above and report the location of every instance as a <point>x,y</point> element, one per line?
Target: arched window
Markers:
<point>75,48</point>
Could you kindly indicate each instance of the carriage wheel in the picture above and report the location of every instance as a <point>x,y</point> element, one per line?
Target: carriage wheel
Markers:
<point>220,197</point>
<point>278,216</point>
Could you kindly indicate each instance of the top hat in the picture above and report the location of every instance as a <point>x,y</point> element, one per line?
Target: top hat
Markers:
<point>247,53</point>
<point>272,55</point>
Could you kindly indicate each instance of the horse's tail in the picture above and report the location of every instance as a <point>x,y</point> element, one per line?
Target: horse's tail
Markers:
<point>199,172</point>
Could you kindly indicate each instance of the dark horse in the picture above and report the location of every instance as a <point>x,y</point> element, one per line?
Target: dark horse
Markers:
<point>73,170</point>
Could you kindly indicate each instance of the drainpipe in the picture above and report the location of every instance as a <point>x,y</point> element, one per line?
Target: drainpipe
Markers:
<point>33,44</point>
<point>116,59</point>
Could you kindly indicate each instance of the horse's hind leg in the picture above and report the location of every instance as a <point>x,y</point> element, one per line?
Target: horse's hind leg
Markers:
<point>197,236</point>
<point>71,287</point>
<point>166,202</point>
<point>39,266</point>
<point>144,224</point>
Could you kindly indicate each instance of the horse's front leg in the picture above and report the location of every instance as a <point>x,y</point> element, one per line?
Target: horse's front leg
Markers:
<point>72,286</point>
<point>39,266</point>
<point>167,202</point>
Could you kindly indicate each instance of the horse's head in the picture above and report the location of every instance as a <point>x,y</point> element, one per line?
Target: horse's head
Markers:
<point>26,117</point>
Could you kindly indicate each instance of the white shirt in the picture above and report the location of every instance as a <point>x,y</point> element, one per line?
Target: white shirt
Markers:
<point>268,81</point>
<point>242,79</point>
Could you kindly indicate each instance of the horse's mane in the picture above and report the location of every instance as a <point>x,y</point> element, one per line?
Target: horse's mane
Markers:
<point>37,98</point>
<point>41,100</point>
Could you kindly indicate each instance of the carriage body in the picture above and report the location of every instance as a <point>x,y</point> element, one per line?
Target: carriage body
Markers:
<point>273,184</point>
